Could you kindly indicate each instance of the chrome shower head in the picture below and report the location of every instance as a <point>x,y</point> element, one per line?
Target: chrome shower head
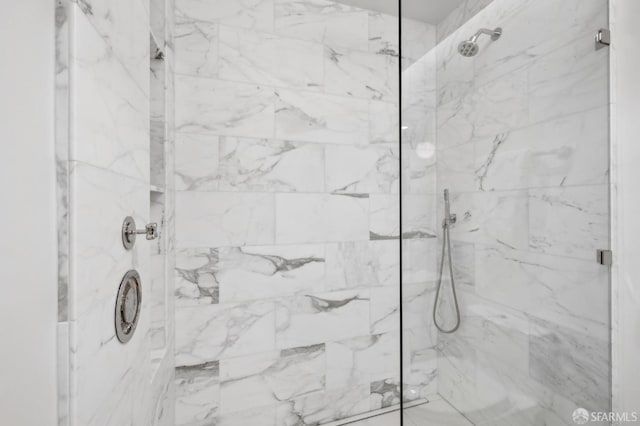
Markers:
<point>468,48</point>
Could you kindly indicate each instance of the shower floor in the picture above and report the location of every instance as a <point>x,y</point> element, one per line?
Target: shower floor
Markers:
<point>434,413</point>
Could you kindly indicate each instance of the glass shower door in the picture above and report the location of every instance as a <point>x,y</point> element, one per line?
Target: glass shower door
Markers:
<point>516,129</point>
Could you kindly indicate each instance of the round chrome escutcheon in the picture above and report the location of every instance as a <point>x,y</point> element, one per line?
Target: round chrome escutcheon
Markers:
<point>128,306</point>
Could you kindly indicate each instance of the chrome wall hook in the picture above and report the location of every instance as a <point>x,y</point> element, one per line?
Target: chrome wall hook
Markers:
<point>129,232</point>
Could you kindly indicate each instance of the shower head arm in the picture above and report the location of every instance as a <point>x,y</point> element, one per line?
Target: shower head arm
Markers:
<point>495,34</point>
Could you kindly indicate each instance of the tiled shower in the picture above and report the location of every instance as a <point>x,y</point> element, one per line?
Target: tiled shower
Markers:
<point>294,156</point>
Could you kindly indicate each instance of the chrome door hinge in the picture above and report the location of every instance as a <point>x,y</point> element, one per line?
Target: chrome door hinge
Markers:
<point>603,38</point>
<point>605,257</point>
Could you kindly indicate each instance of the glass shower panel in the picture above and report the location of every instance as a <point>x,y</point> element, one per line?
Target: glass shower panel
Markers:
<point>516,130</point>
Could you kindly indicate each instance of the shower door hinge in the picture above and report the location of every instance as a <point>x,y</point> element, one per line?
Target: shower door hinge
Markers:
<point>603,38</point>
<point>605,257</point>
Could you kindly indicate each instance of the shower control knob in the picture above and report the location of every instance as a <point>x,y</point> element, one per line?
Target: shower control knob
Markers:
<point>129,232</point>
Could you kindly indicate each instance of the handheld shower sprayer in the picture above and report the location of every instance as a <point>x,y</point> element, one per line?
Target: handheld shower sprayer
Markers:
<point>449,219</point>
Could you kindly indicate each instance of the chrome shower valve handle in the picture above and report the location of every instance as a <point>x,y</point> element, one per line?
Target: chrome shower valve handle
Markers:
<point>129,232</point>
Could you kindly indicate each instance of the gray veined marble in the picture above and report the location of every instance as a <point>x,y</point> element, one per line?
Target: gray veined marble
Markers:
<point>197,393</point>
<point>236,274</point>
<point>248,14</point>
<point>385,393</point>
<point>323,21</point>
<point>196,44</point>
<point>214,332</point>
<point>323,407</point>
<point>315,117</point>
<point>312,319</point>
<point>354,169</point>
<point>571,364</point>
<point>360,74</point>
<point>363,263</point>
<point>362,360</point>
<point>268,379</point>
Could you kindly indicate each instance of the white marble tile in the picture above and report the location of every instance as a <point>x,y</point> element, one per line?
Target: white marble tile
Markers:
<point>355,169</point>
<point>265,58</point>
<point>197,162</point>
<point>574,365</point>
<point>523,20</point>
<point>570,79</point>
<point>110,196</point>
<point>321,217</point>
<point>464,263</point>
<point>570,150</point>
<point>362,264</point>
<point>561,290</point>
<point>311,117</point>
<point>197,393</point>
<point>323,407</point>
<point>383,34</point>
<point>385,394</point>
<point>223,108</point>
<point>268,378</point>
<point>109,112</point>
<point>384,123</point>
<point>419,260</point>
<point>385,309</point>
<point>496,330</point>
<point>323,21</point>
<point>321,317</point>
<point>237,274</point>
<point>213,332</point>
<point>362,360</point>
<point>248,14</point>
<point>268,165</point>
<point>98,267</point>
<point>417,304</point>
<point>361,74</point>
<point>209,163</point>
<point>457,168</point>
<point>262,416</point>
<point>420,363</point>
<point>571,221</point>
<point>384,217</point>
<point>209,219</point>
<point>197,48</point>
<point>419,216</point>
<point>419,168</point>
<point>482,217</point>
<point>124,26</point>
<point>195,277</point>
<point>485,111</point>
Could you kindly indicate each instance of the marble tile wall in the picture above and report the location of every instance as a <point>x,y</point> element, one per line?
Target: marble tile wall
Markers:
<point>103,150</point>
<point>522,144</point>
<point>287,178</point>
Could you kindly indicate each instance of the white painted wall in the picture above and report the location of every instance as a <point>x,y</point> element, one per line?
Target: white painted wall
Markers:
<point>27,212</point>
<point>625,156</point>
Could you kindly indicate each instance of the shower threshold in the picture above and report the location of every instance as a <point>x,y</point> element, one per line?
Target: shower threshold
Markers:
<point>433,411</point>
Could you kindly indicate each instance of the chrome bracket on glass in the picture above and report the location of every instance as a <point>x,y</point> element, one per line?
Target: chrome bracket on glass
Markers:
<point>603,38</point>
<point>129,232</point>
<point>128,305</point>
<point>605,257</point>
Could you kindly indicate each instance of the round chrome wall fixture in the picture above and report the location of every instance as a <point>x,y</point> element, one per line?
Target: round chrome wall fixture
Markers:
<point>128,232</point>
<point>128,306</point>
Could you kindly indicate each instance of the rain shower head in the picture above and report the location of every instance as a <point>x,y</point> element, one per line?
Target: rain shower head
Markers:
<point>468,48</point>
